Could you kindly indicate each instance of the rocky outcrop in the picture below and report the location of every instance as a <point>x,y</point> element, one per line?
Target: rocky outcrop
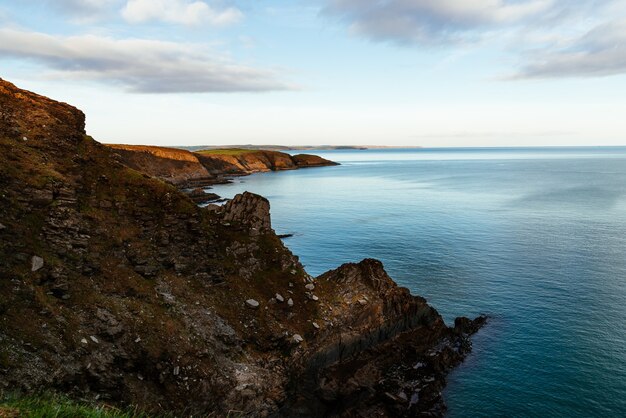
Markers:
<point>115,287</point>
<point>380,351</point>
<point>309,160</point>
<point>249,211</point>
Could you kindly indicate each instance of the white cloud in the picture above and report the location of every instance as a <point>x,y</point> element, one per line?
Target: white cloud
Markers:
<point>145,66</point>
<point>430,21</point>
<point>599,52</point>
<point>179,11</point>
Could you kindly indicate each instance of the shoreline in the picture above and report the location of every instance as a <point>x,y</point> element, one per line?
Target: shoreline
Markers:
<point>121,290</point>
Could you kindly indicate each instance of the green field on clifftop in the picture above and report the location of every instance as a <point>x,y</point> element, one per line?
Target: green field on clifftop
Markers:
<point>226,151</point>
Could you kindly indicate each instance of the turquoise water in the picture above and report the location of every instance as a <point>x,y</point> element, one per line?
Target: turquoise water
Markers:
<point>536,238</point>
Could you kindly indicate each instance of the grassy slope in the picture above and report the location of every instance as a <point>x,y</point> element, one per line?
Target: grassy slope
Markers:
<point>49,406</point>
<point>227,151</point>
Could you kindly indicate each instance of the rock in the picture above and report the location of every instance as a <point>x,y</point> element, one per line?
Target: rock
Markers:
<point>176,371</point>
<point>362,302</point>
<point>37,263</point>
<point>290,302</point>
<point>252,303</point>
<point>463,325</point>
<point>315,325</point>
<point>310,286</point>
<point>2,227</point>
<point>297,338</point>
<point>94,339</point>
<point>84,341</point>
<point>279,298</point>
<point>249,210</point>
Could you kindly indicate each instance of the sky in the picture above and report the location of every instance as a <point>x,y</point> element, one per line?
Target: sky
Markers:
<point>433,73</point>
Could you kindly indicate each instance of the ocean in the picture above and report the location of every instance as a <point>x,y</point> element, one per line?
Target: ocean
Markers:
<point>533,237</point>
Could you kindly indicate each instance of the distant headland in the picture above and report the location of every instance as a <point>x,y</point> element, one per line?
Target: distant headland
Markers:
<point>294,147</point>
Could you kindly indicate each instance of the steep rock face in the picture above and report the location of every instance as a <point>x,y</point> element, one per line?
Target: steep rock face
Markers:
<point>117,287</point>
<point>187,169</point>
<point>249,210</point>
<point>178,167</point>
<point>374,333</point>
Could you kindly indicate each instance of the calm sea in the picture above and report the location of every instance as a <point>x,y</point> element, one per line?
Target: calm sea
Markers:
<point>534,237</point>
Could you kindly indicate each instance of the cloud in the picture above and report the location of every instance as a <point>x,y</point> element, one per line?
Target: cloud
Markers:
<point>430,21</point>
<point>82,7</point>
<point>599,52</point>
<point>183,12</point>
<point>144,66</point>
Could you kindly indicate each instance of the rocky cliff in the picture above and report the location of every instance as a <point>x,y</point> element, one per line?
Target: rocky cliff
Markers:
<point>187,169</point>
<point>115,287</point>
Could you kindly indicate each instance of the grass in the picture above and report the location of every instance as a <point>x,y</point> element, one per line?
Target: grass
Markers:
<point>227,151</point>
<point>52,406</point>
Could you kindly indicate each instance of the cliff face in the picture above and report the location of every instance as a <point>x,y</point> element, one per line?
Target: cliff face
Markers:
<point>177,167</point>
<point>116,287</point>
<point>196,169</point>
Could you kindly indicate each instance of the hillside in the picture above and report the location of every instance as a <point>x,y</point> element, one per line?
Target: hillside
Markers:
<point>202,168</point>
<point>115,287</point>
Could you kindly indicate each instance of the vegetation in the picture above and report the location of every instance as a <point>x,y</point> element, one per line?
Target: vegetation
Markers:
<point>226,151</point>
<point>52,406</point>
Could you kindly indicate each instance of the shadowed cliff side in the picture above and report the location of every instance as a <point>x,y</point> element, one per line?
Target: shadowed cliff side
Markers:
<point>115,287</point>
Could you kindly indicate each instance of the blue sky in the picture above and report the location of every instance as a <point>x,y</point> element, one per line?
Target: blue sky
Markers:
<point>373,72</point>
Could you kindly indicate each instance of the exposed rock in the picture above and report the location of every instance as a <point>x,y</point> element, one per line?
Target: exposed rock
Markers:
<point>279,297</point>
<point>309,286</point>
<point>290,302</point>
<point>36,263</point>
<point>252,303</point>
<point>297,338</point>
<point>307,160</point>
<point>251,211</point>
<point>378,344</point>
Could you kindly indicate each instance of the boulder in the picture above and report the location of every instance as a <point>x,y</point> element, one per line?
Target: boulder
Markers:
<point>36,263</point>
<point>252,303</point>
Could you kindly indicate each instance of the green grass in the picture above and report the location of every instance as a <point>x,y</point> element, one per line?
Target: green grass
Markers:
<point>226,151</point>
<point>50,406</point>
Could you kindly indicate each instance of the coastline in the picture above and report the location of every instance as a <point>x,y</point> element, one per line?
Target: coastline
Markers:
<point>120,289</point>
<point>194,172</point>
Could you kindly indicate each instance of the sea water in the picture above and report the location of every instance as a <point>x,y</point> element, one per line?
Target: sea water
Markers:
<point>533,237</point>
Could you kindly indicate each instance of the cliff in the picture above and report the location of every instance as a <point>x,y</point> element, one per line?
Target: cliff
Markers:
<point>116,287</point>
<point>188,169</point>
